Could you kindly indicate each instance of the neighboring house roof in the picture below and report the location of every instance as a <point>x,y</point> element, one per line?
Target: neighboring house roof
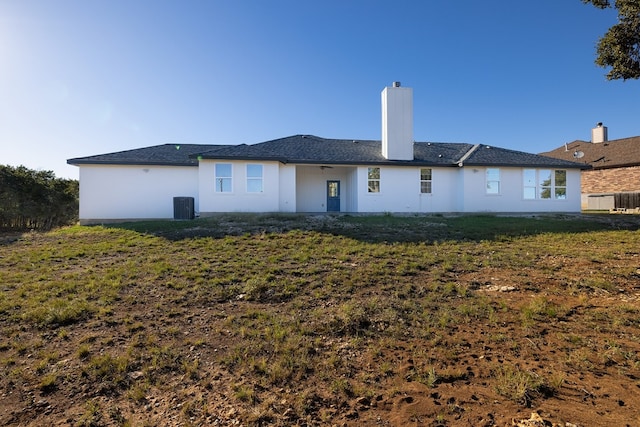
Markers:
<point>615,153</point>
<point>309,149</point>
<point>164,155</point>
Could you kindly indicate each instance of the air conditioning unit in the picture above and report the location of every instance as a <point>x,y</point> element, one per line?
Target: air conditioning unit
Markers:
<point>183,208</point>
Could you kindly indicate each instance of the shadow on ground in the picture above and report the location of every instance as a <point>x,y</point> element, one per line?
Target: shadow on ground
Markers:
<point>387,227</point>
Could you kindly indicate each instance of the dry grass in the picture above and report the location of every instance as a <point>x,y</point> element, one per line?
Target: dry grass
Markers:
<point>268,319</point>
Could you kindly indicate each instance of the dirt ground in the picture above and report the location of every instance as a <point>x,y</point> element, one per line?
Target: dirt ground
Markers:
<point>597,371</point>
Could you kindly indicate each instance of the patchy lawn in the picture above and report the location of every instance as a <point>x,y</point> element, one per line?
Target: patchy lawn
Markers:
<point>323,320</point>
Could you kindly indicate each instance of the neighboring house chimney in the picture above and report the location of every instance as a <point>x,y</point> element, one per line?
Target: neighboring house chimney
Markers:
<point>599,134</point>
<point>397,122</point>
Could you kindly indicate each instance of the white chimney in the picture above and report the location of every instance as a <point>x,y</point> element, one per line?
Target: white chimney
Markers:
<point>599,134</point>
<point>397,122</point>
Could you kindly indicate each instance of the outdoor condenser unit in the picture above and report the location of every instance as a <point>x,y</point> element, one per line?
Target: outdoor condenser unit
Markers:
<point>183,208</point>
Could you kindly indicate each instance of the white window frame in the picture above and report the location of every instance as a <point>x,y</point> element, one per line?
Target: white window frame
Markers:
<point>529,184</point>
<point>545,184</point>
<point>255,179</point>
<point>559,191</point>
<point>221,178</point>
<point>549,184</point>
<point>424,182</point>
<point>375,188</point>
<point>492,183</point>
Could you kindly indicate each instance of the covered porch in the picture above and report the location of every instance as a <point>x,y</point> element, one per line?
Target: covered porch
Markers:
<point>326,188</point>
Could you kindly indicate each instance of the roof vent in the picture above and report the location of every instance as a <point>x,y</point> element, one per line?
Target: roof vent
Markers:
<point>396,84</point>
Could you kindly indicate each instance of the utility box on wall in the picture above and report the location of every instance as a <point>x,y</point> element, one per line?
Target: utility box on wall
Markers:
<point>183,208</point>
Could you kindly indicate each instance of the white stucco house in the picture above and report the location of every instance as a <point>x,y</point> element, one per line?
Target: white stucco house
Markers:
<point>306,173</point>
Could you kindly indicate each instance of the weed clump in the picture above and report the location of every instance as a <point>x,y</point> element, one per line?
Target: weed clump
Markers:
<point>523,386</point>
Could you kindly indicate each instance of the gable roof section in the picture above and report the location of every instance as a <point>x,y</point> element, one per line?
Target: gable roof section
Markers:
<point>602,155</point>
<point>487,155</point>
<point>164,155</point>
<point>309,149</point>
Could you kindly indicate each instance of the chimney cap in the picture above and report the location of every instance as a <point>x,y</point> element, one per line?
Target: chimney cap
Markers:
<point>599,124</point>
<point>396,84</point>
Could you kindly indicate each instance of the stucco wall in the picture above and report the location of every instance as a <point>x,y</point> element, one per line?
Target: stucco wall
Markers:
<point>510,197</point>
<point>400,191</point>
<point>458,190</point>
<point>616,180</point>
<point>311,187</point>
<point>141,192</point>
<point>238,200</point>
<point>287,182</point>
<point>133,192</point>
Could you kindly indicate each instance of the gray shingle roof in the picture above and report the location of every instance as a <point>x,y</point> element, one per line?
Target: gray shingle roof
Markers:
<point>166,154</point>
<point>486,155</point>
<point>313,149</point>
<point>309,149</point>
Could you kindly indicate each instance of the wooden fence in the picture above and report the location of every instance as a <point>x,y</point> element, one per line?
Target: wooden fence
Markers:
<point>626,200</point>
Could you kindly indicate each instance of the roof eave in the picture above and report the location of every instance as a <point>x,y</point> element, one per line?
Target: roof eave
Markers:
<point>74,162</point>
<point>242,158</point>
<point>529,165</point>
<point>616,166</point>
<point>328,161</point>
<point>372,163</point>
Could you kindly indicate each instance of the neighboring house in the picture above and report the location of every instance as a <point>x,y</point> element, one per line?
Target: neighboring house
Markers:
<point>613,177</point>
<point>305,173</point>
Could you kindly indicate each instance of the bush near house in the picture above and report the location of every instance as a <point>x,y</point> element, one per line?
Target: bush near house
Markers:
<point>36,200</point>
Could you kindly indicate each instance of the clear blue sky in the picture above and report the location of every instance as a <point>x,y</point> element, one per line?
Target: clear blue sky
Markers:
<point>84,77</point>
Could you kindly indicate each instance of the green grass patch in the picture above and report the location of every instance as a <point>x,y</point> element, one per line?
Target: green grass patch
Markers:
<point>261,308</point>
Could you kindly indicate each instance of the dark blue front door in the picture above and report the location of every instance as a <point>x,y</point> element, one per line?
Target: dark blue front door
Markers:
<point>333,196</point>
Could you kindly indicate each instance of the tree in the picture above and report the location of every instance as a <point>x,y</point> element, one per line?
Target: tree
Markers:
<point>619,48</point>
<point>36,200</point>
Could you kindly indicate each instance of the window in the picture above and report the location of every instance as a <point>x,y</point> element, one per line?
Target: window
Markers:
<point>529,178</point>
<point>223,177</point>
<point>560,184</point>
<point>544,178</point>
<point>544,184</point>
<point>373,176</point>
<point>425,181</point>
<point>493,181</point>
<point>254,179</point>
